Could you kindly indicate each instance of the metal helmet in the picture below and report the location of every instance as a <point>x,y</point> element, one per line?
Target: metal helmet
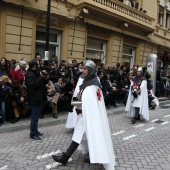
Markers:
<point>89,63</point>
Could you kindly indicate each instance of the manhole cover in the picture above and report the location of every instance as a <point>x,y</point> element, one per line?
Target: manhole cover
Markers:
<point>159,121</point>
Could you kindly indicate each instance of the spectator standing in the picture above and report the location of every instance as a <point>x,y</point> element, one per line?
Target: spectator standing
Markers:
<point>4,69</point>
<point>75,68</point>
<point>54,58</point>
<point>35,89</point>
<point>38,57</point>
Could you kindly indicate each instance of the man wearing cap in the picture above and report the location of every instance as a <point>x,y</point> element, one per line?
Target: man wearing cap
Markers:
<point>137,103</point>
<point>95,123</point>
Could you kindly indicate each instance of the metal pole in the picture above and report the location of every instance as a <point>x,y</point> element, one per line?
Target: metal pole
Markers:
<point>47,31</point>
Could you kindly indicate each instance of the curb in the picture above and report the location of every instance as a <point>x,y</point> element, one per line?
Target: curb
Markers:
<point>49,121</point>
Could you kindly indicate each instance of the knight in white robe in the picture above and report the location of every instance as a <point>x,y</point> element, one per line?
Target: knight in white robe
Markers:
<point>92,130</point>
<point>137,103</point>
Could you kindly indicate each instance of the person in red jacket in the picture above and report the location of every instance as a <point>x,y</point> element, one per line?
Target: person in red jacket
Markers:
<point>20,74</point>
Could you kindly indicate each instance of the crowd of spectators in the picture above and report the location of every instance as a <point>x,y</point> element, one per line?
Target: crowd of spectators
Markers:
<point>60,84</point>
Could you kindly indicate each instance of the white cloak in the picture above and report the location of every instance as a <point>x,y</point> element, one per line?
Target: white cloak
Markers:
<point>72,116</point>
<point>141,101</point>
<point>97,129</point>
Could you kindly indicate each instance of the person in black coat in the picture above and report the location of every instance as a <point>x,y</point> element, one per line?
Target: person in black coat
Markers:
<point>35,93</point>
<point>67,92</point>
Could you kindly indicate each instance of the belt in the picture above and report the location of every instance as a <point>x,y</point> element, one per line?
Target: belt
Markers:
<point>79,111</point>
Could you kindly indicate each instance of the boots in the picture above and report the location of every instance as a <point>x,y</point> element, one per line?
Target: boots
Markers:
<point>133,121</point>
<point>63,159</point>
<point>66,155</point>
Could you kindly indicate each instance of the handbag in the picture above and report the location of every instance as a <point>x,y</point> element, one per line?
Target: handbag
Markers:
<point>156,101</point>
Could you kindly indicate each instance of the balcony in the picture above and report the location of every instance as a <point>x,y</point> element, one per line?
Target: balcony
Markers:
<point>113,11</point>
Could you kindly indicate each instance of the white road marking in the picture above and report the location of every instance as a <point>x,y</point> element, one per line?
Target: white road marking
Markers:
<point>4,167</point>
<point>117,133</point>
<point>48,154</point>
<point>147,130</point>
<point>154,120</point>
<point>129,137</point>
<point>56,164</point>
<point>139,125</point>
<point>167,116</point>
<point>164,123</point>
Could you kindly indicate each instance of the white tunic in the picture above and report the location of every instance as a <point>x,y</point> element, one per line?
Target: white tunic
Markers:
<point>97,128</point>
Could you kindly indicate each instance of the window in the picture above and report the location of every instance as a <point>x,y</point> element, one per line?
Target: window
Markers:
<point>128,56</point>
<point>96,50</point>
<point>161,15</point>
<point>54,42</point>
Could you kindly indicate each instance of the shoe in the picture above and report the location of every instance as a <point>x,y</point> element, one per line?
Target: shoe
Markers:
<point>87,160</point>
<point>138,118</point>
<point>39,134</point>
<point>115,105</point>
<point>35,137</point>
<point>133,121</point>
<point>12,121</point>
<point>55,115</point>
<point>16,119</point>
<point>63,158</point>
<point>42,116</point>
<point>4,123</point>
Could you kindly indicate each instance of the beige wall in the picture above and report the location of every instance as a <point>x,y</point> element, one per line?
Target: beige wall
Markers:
<point>63,20</point>
<point>77,40</point>
<point>19,33</point>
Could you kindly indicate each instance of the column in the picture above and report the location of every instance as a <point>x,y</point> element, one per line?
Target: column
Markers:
<point>164,19</point>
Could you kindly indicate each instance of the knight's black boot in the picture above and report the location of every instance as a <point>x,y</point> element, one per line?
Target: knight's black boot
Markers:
<point>133,121</point>
<point>64,157</point>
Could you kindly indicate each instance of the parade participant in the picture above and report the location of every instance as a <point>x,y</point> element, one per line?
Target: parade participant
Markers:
<point>137,103</point>
<point>72,116</point>
<point>95,123</point>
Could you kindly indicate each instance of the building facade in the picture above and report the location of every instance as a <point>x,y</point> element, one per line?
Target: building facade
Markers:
<point>107,31</point>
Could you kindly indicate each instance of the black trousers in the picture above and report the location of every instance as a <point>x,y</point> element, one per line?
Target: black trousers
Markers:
<point>137,115</point>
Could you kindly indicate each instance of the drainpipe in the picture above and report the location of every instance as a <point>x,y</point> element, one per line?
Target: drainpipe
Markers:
<point>21,29</point>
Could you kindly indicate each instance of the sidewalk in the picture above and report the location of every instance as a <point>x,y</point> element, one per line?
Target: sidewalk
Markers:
<point>23,124</point>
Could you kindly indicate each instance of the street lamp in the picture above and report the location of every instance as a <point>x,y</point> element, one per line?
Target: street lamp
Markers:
<point>47,33</point>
